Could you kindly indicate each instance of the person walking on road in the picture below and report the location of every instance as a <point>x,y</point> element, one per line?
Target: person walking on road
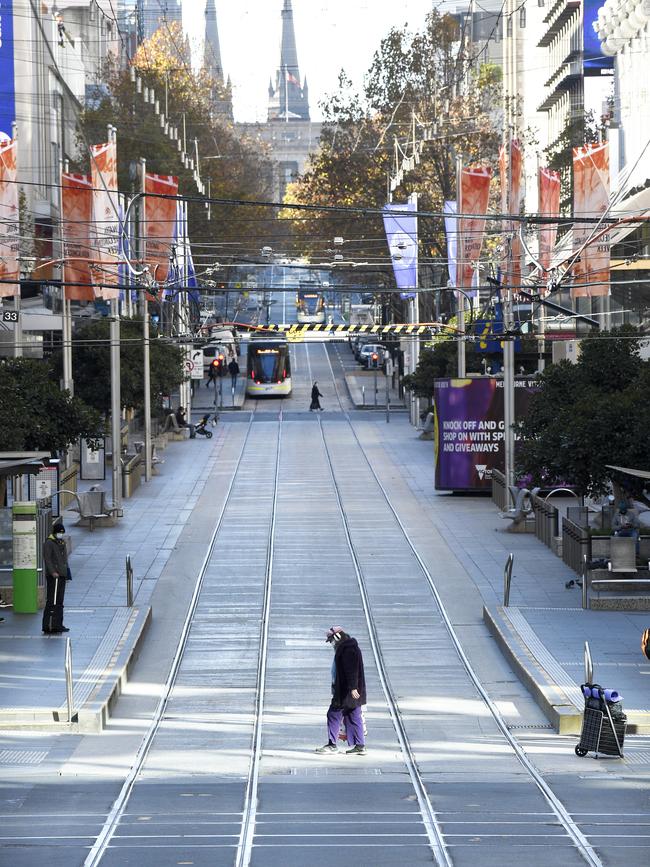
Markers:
<point>57,572</point>
<point>315,394</point>
<point>348,693</point>
<point>233,370</point>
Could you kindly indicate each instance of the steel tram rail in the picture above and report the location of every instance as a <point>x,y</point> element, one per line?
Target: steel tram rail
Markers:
<point>245,844</point>
<point>581,842</point>
<point>119,805</point>
<point>429,818</point>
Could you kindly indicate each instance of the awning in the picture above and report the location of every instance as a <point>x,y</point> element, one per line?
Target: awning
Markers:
<point>16,463</point>
<point>640,474</point>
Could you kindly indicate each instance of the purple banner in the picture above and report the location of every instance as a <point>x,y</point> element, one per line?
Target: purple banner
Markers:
<point>469,429</point>
<point>401,227</point>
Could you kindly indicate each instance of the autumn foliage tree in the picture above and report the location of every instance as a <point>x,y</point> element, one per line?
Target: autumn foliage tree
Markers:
<point>235,166</point>
<point>419,82</point>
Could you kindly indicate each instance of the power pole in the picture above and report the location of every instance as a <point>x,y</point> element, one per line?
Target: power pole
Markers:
<point>146,374</point>
<point>460,261</point>
<point>116,396</point>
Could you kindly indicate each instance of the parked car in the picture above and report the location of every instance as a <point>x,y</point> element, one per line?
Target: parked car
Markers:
<point>361,341</point>
<point>367,351</point>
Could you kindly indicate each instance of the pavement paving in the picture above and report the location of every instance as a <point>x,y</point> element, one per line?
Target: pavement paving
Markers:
<point>542,633</point>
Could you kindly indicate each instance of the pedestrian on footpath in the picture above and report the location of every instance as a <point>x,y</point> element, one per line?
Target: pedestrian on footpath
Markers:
<point>348,693</point>
<point>315,394</point>
<point>57,572</point>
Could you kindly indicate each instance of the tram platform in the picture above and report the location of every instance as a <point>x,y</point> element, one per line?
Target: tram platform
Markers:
<point>166,530</point>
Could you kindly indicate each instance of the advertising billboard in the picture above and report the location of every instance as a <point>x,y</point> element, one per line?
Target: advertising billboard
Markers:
<point>7,92</point>
<point>469,429</point>
<point>595,62</point>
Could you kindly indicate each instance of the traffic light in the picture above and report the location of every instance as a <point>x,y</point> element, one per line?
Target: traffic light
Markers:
<point>218,365</point>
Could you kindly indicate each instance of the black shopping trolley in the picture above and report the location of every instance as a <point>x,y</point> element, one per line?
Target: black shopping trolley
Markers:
<point>602,733</point>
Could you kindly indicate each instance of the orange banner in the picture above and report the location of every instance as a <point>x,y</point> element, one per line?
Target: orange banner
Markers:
<point>9,219</point>
<point>76,217</point>
<point>510,177</point>
<point>474,197</point>
<point>103,174</point>
<point>159,220</point>
<point>590,199</point>
<point>548,189</point>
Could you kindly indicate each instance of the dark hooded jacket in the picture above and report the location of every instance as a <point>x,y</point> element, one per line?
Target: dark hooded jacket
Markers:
<point>348,663</point>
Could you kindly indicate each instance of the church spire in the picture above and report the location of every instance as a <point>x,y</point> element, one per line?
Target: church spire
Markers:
<point>221,94</point>
<point>288,100</point>
<point>212,50</point>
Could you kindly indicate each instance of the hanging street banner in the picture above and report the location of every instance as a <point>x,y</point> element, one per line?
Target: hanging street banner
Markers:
<point>9,219</point>
<point>7,80</point>
<point>548,189</point>
<point>401,227</point>
<point>106,226</point>
<point>76,218</point>
<point>159,224</point>
<point>590,199</point>
<point>451,232</point>
<point>510,173</point>
<point>474,197</point>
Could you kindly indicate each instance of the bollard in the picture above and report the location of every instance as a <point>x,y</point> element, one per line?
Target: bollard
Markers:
<point>507,578</point>
<point>363,394</point>
<point>585,577</point>
<point>387,402</point>
<point>68,678</point>
<point>589,666</point>
<point>375,387</point>
<point>129,581</point>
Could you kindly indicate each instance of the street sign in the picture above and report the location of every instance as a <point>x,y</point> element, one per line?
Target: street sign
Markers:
<point>196,357</point>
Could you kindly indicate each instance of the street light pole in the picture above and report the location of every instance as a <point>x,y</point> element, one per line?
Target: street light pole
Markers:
<point>146,373</point>
<point>460,296</point>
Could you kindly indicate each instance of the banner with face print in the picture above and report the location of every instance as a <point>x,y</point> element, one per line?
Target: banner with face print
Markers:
<point>106,225</point>
<point>474,197</point>
<point>9,219</point>
<point>590,199</point>
<point>76,218</point>
<point>401,227</point>
<point>548,186</point>
<point>159,224</point>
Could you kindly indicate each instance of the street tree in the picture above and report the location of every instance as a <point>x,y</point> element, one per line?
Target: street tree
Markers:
<point>91,364</point>
<point>413,85</point>
<point>588,415</point>
<point>35,415</point>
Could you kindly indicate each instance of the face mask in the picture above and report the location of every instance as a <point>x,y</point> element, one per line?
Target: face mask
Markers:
<point>59,535</point>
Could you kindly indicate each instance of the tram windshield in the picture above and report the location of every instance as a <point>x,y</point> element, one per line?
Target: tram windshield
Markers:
<point>269,364</point>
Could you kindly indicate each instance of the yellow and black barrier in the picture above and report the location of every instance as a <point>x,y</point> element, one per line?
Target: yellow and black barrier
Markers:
<point>403,328</point>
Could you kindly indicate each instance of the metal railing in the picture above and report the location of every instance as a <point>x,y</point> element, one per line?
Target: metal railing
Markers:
<point>507,579</point>
<point>546,520</point>
<point>500,496</point>
<point>576,544</point>
<point>589,665</point>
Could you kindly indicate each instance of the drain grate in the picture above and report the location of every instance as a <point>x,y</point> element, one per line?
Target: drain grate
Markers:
<point>531,726</point>
<point>637,758</point>
<point>22,757</point>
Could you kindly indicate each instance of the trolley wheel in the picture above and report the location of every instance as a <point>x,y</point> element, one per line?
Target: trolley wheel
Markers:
<point>581,751</point>
<point>208,434</point>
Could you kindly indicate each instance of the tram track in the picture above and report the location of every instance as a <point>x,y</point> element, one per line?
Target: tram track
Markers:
<point>562,815</point>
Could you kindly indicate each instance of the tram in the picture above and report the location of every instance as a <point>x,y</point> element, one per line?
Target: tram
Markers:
<point>268,368</point>
<point>310,305</point>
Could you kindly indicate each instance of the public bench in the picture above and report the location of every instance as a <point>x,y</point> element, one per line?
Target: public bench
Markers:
<point>91,506</point>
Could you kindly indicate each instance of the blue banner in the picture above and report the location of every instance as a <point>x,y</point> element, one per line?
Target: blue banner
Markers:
<point>401,227</point>
<point>7,92</point>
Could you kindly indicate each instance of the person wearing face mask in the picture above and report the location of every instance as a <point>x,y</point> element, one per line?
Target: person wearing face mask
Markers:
<point>55,563</point>
<point>348,693</point>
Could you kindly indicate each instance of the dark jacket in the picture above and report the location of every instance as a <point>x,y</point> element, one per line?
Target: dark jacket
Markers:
<point>315,393</point>
<point>348,662</point>
<point>55,557</point>
<point>233,367</point>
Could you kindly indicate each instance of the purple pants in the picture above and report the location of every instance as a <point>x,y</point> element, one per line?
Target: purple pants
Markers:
<point>353,725</point>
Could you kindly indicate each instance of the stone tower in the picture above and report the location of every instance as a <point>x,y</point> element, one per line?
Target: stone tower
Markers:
<point>222,91</point>
<point>288,99</point>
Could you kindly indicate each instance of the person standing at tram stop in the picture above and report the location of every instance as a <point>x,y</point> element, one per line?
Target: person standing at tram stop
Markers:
<point>315,394</point>
<point>348,693</point>
<point>57,572</point>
